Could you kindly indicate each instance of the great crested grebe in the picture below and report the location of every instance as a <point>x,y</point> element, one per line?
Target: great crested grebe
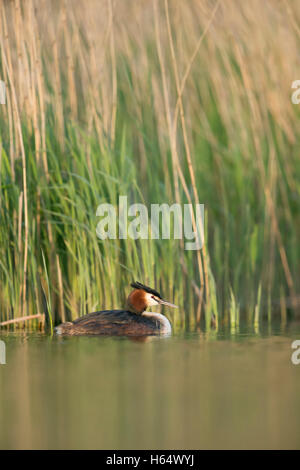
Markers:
<point>133,321</point>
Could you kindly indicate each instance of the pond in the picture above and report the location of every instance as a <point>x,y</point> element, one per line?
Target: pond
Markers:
<point>226,389</point>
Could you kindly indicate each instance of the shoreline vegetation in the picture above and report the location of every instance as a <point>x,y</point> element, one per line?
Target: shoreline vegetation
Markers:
<point>166,103</point>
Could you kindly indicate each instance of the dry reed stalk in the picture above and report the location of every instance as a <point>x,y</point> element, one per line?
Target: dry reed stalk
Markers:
<point>19,129</point>
<point>271,239</point>
<point>20,211</point>
<point>23,319</point>
<point>18,32</point>
<point>61,291</point>
<point>10,113</point>
<point>292,17</point>
<point>28,91</point>
<point>54,35</point>
<point>34,97</point>
<point>1,148</point>
<point>39,109</point>
<point>41,94</point>
<point>114,75</point>
<point>70,61</point>
<point>34,60</point>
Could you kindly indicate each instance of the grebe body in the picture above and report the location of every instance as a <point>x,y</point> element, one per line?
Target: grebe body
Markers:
<point>132,321</point>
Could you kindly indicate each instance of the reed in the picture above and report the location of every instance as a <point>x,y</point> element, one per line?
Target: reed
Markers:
<point>163,102</point>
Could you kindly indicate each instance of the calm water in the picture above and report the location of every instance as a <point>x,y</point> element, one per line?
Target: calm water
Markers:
<point>189,391</point>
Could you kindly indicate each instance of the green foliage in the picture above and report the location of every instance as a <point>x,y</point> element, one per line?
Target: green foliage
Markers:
<point>242,148</point>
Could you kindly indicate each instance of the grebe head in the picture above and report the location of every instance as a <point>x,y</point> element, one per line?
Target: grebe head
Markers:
<point>142,297</point>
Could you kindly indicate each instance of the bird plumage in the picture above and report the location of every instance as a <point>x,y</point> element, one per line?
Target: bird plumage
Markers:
<point>133,321</point>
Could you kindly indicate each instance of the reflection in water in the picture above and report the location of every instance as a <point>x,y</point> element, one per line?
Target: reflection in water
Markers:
<point>218,390</point>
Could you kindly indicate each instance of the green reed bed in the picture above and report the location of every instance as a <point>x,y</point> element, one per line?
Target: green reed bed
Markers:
<point>174,105</point>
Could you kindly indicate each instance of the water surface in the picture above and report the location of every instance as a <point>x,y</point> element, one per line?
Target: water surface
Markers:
<point>196,390</point>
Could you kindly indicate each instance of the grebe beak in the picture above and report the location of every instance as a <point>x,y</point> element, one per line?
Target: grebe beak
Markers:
<point>164,302</point>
